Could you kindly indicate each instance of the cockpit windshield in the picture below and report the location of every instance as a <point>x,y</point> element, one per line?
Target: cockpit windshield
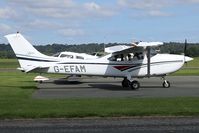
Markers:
<point>154,51</point>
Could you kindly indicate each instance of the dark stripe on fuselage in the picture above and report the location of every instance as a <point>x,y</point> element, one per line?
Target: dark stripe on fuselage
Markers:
<point>31,59</point>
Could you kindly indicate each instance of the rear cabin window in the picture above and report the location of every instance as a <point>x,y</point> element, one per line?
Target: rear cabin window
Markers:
<point>65,55</point>
<point>79,57</point>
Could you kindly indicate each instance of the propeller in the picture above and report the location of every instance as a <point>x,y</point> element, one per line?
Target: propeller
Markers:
<point>148,61</point>
<point>186,58</point>
<point>185,51</point>
<point>185,47</point>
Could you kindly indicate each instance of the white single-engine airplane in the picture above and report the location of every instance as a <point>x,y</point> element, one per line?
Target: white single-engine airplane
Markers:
<point>137,61</point>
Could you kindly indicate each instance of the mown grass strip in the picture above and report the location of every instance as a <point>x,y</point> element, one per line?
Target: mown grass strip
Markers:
<point>9,63</point>
<point>30,108</point>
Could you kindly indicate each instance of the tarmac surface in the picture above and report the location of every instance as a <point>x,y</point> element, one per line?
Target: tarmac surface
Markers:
<point>103,125</point>
<point>95,87</point>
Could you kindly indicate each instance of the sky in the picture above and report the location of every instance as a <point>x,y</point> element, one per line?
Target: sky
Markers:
<point>100,21</point>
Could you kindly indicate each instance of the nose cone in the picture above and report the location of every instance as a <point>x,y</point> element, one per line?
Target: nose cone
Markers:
<point>187,59</point>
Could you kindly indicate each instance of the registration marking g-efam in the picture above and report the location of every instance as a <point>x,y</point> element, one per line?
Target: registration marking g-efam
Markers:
<point>70,68</point>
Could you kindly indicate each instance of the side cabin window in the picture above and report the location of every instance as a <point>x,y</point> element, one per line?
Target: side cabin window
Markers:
<point>115,58</point>
<point>154,51</point>
<point>127,57</point>
<point>121,57</point>
<point>79,57</point>
<point>132,56</point>
<point>139,56</point>
<point>66,56</point>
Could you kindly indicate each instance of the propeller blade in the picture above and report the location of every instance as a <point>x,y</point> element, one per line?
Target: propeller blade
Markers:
<point>185,47</point>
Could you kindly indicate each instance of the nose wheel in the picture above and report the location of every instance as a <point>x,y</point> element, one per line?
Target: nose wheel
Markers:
<point>127,83</point>
<point>166,84</point>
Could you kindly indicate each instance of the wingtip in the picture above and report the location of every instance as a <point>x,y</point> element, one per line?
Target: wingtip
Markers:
<point>6,36</point>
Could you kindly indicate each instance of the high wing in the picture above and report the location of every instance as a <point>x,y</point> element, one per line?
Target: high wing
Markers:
<point>132,49</point>
<point>116,48</point>
<point>135,48</point>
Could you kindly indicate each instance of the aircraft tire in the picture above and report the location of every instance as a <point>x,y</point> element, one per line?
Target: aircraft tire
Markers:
<point>135,85</point>
<point>166,84</point>
<point>125,83</point>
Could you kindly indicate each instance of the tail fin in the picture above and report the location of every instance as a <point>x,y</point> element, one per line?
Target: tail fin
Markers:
<point>27,55</point>
<point>21,46</point>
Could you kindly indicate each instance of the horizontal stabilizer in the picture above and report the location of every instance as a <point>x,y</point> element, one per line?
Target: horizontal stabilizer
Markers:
<point>21,69</point>
<point>40,78</point>
<point>37,69</point>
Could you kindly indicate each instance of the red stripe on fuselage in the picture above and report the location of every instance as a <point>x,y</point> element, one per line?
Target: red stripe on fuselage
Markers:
<point>121,67</point>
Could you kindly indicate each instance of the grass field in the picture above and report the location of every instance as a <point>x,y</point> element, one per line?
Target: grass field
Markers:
<point>16,101</point>
<point>9,63</point>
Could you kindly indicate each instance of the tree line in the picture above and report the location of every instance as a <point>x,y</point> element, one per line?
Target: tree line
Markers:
<point>171,47</point>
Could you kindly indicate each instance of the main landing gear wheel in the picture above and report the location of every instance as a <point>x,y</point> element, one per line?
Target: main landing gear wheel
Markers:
<point>125,83</point>
<point>166,84</point>
<point>135,85</point>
